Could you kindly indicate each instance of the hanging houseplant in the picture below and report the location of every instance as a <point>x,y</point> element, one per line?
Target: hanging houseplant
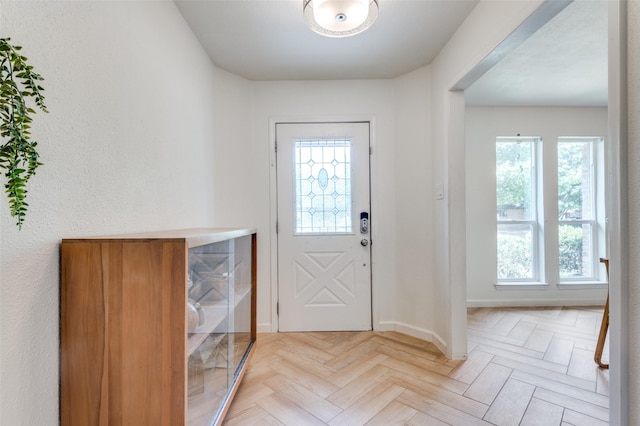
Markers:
<point>18,154</point>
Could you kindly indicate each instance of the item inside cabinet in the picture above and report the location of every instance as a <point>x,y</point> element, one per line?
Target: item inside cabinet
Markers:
<point>210,348</point>
<point>196,374</point>
<point>218,292</point>
<point>208,278</point>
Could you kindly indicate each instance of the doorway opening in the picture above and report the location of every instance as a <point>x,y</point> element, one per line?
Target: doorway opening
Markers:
<point>614,186</point>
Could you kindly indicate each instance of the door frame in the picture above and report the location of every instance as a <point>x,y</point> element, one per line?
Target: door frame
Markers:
<point>273,204</point>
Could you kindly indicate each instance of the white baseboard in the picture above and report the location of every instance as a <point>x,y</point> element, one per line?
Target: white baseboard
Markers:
<point>502,303</point>
<point>442,346</point>
<point>407,329</point>
<point>458,357</point>
<point>413,331</point>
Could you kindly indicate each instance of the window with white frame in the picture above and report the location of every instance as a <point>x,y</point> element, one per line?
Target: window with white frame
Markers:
<point>523,229</point>
<point>516,205</point>
<point>577,209</point>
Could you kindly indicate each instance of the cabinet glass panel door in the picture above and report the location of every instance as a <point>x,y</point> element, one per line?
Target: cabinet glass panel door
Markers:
<point>208,322</point>
<point>241,306</point>
<point>219,322</point>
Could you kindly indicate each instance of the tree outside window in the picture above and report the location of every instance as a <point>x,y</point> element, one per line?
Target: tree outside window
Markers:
<point>519,230</point>
<point>516,212</point>
<point>576,206</point>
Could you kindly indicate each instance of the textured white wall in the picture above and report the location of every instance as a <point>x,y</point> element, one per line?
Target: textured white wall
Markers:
<point>239,168</point>
<point>483,125</point>
<point>126,147</point>
<point>633,142</point>
<point>487,25</point>
<point>414,204</point>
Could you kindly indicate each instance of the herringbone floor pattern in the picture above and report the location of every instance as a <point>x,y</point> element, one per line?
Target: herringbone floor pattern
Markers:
<point>526,366</point>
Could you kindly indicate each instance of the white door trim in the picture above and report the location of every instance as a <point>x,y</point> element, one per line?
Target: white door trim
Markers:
<point>616,154</point>
<point>273,206</point>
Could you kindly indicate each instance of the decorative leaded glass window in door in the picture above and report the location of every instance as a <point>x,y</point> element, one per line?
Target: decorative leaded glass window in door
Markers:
<point>323,186</point>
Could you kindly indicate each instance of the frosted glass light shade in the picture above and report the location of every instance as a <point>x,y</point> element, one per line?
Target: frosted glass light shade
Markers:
<point>339,18</point>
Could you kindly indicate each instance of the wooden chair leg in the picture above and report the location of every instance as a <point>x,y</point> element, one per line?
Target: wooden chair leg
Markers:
<point>604,327</point>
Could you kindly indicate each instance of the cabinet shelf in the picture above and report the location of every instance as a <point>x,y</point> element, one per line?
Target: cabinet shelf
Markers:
<point>126,354</point>
<point>214,316</point>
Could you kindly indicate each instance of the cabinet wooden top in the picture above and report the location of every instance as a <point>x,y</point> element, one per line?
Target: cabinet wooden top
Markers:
<point>193,237</point>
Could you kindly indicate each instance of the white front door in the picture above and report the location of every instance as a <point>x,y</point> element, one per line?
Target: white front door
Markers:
<point>324,267</point>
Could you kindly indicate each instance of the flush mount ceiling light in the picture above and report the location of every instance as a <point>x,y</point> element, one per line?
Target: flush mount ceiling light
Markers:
<point>339,18</point>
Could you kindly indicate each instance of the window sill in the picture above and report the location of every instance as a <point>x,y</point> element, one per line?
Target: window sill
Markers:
<point>576,285</point>
<point>583,285</point>
<point>521,286</point>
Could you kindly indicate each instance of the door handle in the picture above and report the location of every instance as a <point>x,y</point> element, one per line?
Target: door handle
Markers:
<point>364,242</point>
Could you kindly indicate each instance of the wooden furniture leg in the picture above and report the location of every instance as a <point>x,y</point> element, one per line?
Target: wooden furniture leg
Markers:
<point>604,327</point>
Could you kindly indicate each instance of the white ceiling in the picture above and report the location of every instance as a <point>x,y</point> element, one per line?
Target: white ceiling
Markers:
<point>268,40</point>
<point>562,64</point>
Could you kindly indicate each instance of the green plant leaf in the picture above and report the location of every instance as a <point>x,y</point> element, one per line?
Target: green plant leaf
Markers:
<point>18,154</point>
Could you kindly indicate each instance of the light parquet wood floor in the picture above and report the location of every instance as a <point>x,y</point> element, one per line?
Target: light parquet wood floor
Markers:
<point>526,366</point>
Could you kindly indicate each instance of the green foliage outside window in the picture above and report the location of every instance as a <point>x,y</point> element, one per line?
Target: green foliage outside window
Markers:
<point>514,256</point>
<point>514,189</point>
<point>513,175</point>
<point>571,158</point>
<point>570,249</point>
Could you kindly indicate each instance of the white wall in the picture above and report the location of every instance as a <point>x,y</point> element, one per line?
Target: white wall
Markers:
<point>633,141</point>
<point>240,168</point>
<point>487,25</point>
<point>126,147</point>
<point>414,204</point>
<point>483,125</point>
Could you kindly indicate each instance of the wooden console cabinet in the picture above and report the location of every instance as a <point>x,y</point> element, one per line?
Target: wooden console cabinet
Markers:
<point>156,328</point>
